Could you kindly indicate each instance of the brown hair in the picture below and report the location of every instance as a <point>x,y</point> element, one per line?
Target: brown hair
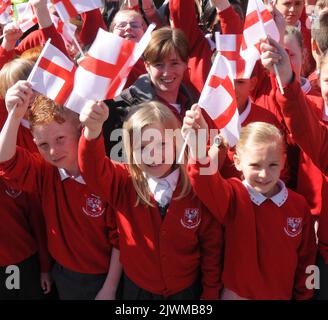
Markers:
<point>139,117</point>
<point>163,42</point>
<point>13,71</point>
<point>319,31</point>
<point>45,110</point>
<point>32,53</point>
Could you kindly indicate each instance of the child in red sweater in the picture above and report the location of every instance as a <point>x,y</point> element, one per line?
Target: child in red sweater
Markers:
<point>81,232</point>
<point>269,237</point>
<point>169,242</point>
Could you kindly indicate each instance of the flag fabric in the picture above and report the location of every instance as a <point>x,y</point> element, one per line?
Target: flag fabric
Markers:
<point>257,16</point>
<point>6,11</point>
<point>53,74</point>
<point>65,29</point>
<point>219,101</point>
<point>68,9</point>
<point>229,46</point>
<point>25,16</point>
<point>103,72</point>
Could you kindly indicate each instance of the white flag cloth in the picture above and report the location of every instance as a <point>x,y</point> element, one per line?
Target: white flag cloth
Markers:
<point>103,72</point>
<point>67,9</point>
<point>6,11</point>
<point>66,29</point>
<point>219,101</point>
<point>26,18</point>
<point>257,16</point>
<point>242,64</point>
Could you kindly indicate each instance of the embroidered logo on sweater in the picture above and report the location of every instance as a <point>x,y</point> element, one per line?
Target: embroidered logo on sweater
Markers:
<point>191,218</point>
<point>94,207</point>
<point>294,226</point>
<point>12,193</point>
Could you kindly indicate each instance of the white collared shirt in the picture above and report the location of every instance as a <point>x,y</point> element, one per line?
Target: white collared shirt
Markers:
<point>243,116</point>
<point>64,175</point>
<point>176,106</point>
<point>163,188</point>
<point>305,85</point>
<point>258,198</point>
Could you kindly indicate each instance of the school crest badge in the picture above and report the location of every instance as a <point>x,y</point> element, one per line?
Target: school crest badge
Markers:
<point>294,226</point>
<point>12,193</point>
<point>191,218</point>
<point>94,207</point>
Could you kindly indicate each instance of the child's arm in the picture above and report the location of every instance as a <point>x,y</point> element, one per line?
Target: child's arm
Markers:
<point>307,253</point>
<point>215,192</point>
<point>301,120</point>
<point>17,102</point>
<point>151,13</point>
<point>108,291</point>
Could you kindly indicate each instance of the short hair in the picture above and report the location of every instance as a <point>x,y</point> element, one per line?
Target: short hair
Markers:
<point>259,132</point>
<point>45,110</point>
<point>127,13</point>
<point>319,32</point>
<point>163,42</point>
<point>13,71</point>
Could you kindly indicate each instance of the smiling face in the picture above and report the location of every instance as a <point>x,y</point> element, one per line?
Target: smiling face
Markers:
<point>290,9</point>
<point>154,153</point>
<point>167,75</point>
<point>58,144</point>
<point>261,165</point>
<point>129,25</point>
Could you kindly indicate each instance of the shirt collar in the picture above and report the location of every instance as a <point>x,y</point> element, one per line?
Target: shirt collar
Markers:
<point>306,86</point>
<point>172,179</point>
<point>25,123</point>
<point>298,25</point>
<point>64,175</point>
<point>243,116</point>
<point>258,198</point>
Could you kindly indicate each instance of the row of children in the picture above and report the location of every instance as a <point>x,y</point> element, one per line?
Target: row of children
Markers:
<point>235,240</point>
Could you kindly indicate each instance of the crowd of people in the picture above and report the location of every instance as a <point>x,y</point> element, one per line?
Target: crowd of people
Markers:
<point>88,215</point>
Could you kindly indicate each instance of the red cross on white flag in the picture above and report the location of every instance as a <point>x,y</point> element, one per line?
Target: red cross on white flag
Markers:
<point>229,46</point>
<point>102,73</point>
<point>219,100</point>
<point>6,11</point>
<point>67,9</point>
<point>253,29</point>
<point>26,18</point>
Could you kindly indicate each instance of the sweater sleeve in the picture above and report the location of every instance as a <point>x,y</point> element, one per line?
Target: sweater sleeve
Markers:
<point>5,56</point>
<point>307,253</point>
<point>102,175</point>
<point>302,122</point>
<point>211,244</point>
<point>92,21</point>
<point>206,185</point>
<point>230,21</point>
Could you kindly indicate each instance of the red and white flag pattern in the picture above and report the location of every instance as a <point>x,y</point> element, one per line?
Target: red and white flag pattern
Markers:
<point>219,100</point>
<point>229,46</point>
<point>6,11</point>
<point>103,72</point>
<point>26,18</point>
<point>257,16</point>
<point>65,29</point>
<point>53,74</point>
<point>71,8</point>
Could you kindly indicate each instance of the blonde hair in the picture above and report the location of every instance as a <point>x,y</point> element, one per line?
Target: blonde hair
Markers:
<point>32,53</point>
<point>13,71</point>
<point>163,42</point>
<point>259,133</point>
<point>139,117</point>
<point>45,110</point>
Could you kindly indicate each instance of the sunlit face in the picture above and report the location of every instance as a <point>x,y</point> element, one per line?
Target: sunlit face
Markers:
<point>154,152</point>
<point>129,26</point>
<point>58,144</point>
<point>324,82</point>
<point>295,54</point>
<point>290,9</point>
<point>167,76</point>
<point>261,165</point>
